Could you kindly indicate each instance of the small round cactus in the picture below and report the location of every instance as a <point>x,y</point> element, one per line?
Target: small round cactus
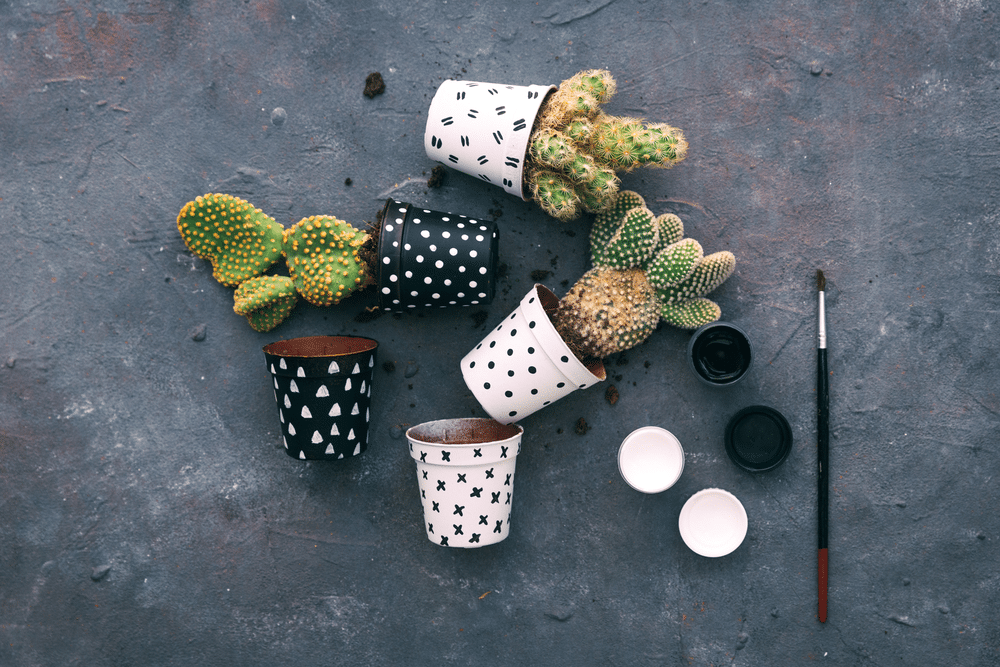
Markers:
<point>238,239</point>
<point>644,272</point>
<point>575,148</point>
<point>324,255</point>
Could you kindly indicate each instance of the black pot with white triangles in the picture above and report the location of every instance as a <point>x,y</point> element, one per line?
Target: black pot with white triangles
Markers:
<point>323,387</point>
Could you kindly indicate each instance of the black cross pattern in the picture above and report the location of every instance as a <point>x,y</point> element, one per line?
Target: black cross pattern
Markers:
<point>444,540</point>
<point>423,494</point>
<point>425,474</point>
<point>458,529</point>
<point>474,538</point>
<point>434,506</point>
<point>446,456</point>
<point>498,528</point>
<point>476,453</point>
<point>496,497</point>
<point>508,499</point>
<point>475,492</point>
<point>503,452</point>
<point>461,477</point>
<point>430,528</point>
<point>423,457</point>
<point>459,509</point>
<point>440,485</point>
<point>482,519</point>
<point>506,482</point>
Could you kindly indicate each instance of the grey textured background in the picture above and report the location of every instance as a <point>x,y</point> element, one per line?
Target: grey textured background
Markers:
<point>860,138</point>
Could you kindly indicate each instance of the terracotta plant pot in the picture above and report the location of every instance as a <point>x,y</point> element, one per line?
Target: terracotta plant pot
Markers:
<point>323,388</point>
<point>523,364</point>
<point>434,259</point>
<point>482,129</point>
<point>465,472</point>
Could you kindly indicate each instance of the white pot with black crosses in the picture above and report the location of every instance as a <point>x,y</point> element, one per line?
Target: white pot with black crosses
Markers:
<point>431,259</point>
<point>323,388</point>
<point>523,364</point>
<point>465,474</point>
<point>482,129</point>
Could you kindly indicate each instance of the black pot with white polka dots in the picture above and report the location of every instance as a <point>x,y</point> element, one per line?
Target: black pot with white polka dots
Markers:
<point>465,474</point>
<point>482,129</point>
<point>323,388</point>
<point>524,364</point>
<point>430,259</point>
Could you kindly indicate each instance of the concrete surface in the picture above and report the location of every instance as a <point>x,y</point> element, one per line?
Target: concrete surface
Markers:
<point>149,513</point>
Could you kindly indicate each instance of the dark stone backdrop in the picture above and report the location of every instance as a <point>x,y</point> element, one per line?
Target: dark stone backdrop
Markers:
<point>149,513</point>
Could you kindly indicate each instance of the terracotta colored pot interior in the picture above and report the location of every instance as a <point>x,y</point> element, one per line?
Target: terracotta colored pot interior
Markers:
<point>320,346</point>
<point>463,431</point>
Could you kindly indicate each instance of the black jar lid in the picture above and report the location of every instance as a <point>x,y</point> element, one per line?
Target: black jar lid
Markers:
<point>758,438</point>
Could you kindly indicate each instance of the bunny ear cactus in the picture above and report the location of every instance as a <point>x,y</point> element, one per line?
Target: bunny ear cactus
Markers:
<point>576,148</point>
<point>323,259</point>
<point>323,254</point>
<point>238,239</point>
<point>644,271</point>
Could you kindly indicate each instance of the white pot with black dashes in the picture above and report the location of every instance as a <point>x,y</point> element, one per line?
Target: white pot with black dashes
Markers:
<point>482,129</point>
<point>524,364</point>
<point>323,388</point>
<point>465,473</point>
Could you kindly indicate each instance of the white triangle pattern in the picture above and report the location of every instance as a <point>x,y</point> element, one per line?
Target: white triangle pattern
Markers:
<point>306,414</point>
<point>347,385</point>
<point>334,430</point>
<point>302,455</point>
<point>334,368</point>
<point>288,402</point>
<point>357,450</point>
<point>351,436</point>
<point>301,372</point>
<point>291,428</point>
<point>329,449</point>
<point>317,438</point>
<point>355,410</point>
<point>293,387</point>
<point>356,370</point>
<point>281,364</point>
<point>335,410</point>
<point>322,391</point>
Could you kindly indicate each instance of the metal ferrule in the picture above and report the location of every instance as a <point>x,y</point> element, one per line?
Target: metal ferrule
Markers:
<point>822,320</point>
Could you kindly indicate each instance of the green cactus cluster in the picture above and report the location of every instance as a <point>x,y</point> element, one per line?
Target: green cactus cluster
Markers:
<point>644,271</point>
<point>241,242</point>
<point>576,149</point>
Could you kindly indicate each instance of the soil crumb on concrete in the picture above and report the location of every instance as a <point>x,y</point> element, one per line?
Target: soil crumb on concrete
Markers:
<point>611,394</point>
<point>436,179</point>
<point>581,427</point>
<point>374,85</point>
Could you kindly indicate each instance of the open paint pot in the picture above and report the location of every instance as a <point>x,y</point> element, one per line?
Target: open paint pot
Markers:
<point>651,459</point>
<point>720,354</point>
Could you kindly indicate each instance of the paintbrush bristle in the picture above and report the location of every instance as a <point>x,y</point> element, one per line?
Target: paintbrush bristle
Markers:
<point>820,281</point>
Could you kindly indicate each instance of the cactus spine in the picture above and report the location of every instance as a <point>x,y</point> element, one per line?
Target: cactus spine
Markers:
<point>644,272</point>
<point>576,148</point>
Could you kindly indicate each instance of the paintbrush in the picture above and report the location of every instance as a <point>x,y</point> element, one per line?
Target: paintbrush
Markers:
<point>823,442</point>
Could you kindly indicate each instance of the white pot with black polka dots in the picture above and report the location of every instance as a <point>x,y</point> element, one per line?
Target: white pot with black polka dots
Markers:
<point>430,259</point>
<point>323,388</point>
<point>465,473</point>
<point>523,364</point>
<point>482,129</point>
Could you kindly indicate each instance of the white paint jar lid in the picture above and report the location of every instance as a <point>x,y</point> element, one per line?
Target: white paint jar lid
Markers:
<point>713,523</point>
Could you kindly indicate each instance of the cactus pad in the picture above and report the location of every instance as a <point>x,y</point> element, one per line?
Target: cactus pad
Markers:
<point>555,194</point>
<point>265,301</point>
<point>709,273</point>
<point>674,263</point>
<point>323,260</point>
<point>239,240</point>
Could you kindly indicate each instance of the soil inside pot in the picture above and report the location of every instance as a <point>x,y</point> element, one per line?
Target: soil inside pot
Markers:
<point>320,346</point>
<point>550,304</point>
<point>463,431</point>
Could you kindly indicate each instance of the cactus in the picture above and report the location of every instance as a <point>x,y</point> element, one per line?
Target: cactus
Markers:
<point>644,272</point>
<point>575,148</point>
<point>325,256</point>
<point>239,240</point>
<point>265,301</point>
